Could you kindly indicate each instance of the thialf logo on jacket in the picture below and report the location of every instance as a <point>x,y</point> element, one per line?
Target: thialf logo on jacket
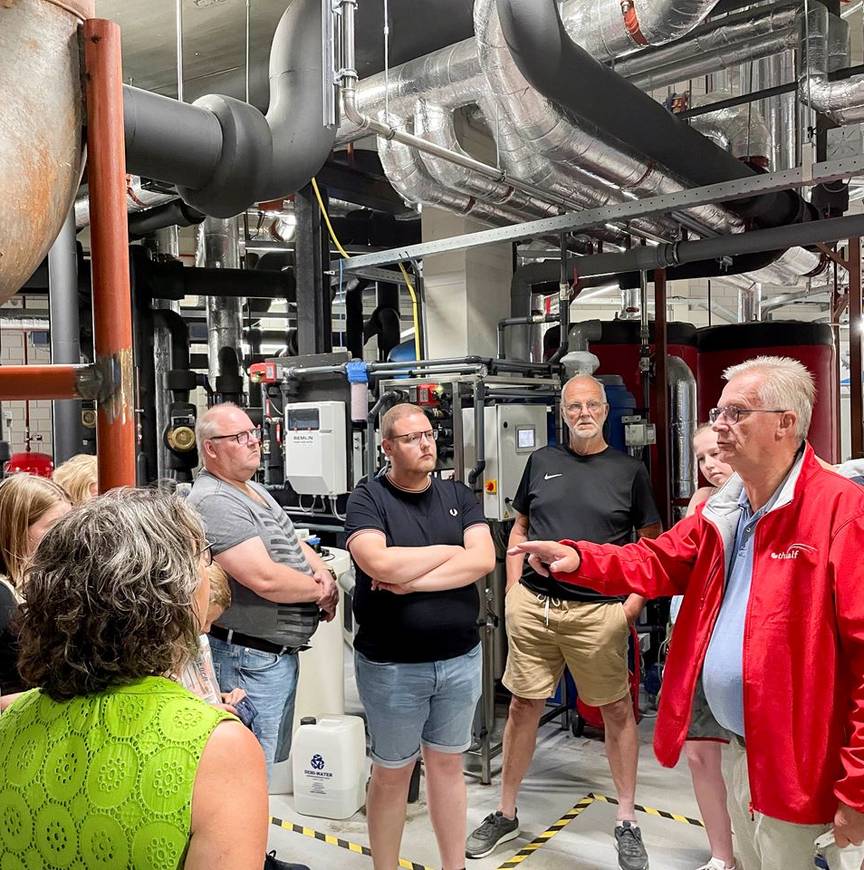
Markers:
<point>793,551</point>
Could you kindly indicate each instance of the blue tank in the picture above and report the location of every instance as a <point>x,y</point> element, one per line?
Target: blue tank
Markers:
<point>622,403</point>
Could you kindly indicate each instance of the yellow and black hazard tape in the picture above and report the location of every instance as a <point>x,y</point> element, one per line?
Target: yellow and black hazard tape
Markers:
<point>342,844</point>
<point>548,834</point>
<point>663,814</point>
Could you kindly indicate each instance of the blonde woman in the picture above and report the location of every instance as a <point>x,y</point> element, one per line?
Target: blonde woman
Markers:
<point>29,506</point>
<point>705,738</point>
<point>79,477</point>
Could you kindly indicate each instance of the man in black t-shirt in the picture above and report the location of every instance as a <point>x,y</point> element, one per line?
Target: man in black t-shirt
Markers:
<point>587,491</point>
<point>418,544</point>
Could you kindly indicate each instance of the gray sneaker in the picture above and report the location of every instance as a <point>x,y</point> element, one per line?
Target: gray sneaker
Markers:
<point>631,851</point>
<point>494,830</point>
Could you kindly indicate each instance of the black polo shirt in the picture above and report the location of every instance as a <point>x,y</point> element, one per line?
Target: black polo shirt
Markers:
<point>420,626</point>
<point>603,498</point>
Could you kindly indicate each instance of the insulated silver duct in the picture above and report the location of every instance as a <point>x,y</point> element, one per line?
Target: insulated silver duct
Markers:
<point>740,130</point>
<point>842,101</point>
<point>218,247</point>
<point>750,303</point>
<point>609,28</point>
<point>40,136</point>
<point>682,411</point>
<point>137,199</point>
<point>715,46</point>
<point>552,134</point>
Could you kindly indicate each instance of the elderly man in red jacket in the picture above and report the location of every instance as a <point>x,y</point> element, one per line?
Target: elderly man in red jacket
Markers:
<point>773,618</point>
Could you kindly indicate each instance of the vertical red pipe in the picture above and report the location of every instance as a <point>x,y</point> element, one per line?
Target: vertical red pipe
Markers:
<point>856,399</point>
<point>661,400</point>
<point>109,245</point>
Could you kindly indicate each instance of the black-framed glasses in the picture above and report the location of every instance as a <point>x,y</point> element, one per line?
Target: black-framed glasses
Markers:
<point>732,413</point>
<point>242,438</point>
<point>415,437</point>
<point>592,407</point>
<point>206,554</point>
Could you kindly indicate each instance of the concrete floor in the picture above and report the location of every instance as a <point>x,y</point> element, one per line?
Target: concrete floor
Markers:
<point>565,770</point>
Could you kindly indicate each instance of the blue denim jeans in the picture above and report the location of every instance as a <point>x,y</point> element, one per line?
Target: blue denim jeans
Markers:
<point>406,704</point>
<point>270,681</point>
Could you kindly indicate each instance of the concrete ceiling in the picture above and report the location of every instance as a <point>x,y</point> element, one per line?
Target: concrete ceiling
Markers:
<point>214,41</point>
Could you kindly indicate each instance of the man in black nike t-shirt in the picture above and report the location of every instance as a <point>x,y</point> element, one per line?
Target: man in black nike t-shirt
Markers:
<point>418,543</point>
<point>587,491</point>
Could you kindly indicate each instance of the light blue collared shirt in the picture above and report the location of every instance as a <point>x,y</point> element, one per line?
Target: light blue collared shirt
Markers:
<point>723,670</point>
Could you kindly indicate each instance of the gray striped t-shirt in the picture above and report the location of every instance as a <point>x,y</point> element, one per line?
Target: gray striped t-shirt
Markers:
<point>230,517</point>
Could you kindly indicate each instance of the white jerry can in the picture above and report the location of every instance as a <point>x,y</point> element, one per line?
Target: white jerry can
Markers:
<point>329,766</point>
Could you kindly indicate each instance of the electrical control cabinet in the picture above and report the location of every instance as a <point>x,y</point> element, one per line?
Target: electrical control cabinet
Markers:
<point>315,444</point>
<point>512,433</point>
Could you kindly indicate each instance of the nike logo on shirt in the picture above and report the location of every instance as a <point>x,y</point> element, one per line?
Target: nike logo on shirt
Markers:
<point>550,476</point>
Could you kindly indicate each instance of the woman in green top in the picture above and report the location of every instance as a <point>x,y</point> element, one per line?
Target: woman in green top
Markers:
<point>109,764</point>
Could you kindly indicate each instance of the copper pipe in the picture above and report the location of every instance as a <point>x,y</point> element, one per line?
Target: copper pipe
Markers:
<point>40,382</point>
<point>856,398</point>
<point>661,399</point>
<point>109,245</point>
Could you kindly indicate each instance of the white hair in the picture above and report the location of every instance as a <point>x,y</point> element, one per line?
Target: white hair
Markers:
<point>591,378</point>
<point>787,384</point>
<point>206,425</point>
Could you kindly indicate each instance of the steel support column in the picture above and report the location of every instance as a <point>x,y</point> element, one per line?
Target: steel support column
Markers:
<point>856,397</point>
<point>65,338</point>
<point>109,244</point>
<point>311,258</point>
<point>661,400</point>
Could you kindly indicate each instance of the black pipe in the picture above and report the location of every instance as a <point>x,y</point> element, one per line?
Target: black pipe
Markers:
<point>620,112</point>
<point>178,329</point>
<point>174,213</point>
<point>646,258</point>
<point>479,435</point>
<point>519,321</point>
<point>354,316</point>
<point>734,265</point>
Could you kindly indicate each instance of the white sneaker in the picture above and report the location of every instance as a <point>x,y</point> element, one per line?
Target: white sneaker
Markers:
<point>716,864</point>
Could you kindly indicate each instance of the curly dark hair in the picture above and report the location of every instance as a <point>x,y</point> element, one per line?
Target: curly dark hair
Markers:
<point>109,594</point>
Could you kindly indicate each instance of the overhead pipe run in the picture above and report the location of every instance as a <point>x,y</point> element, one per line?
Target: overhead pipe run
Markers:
<point>621,113</point>
<point>648,258</point>
<point>842,101</point>
<point>222,153</point>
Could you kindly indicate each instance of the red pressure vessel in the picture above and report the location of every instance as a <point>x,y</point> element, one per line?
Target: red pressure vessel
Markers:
<point>811,343</point>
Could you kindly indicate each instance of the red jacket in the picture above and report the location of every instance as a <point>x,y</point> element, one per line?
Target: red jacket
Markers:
<point>803,634</point>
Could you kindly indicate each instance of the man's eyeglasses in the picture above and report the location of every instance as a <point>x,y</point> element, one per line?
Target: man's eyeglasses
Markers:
<point>415,437</point>
<point>591,407</point>
<point>206,554</point>
<point>732,413</point>
<point>242,438</point>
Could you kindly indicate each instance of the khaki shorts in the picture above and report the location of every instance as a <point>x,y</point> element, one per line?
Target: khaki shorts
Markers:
<point>544,634</point>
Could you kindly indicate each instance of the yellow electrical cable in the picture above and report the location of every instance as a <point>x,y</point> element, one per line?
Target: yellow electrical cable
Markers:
<point>326,217</point>
<point>413,295</point>
<point>347,256</point>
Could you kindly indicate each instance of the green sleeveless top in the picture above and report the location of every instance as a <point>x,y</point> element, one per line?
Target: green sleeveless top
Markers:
<point>102,781</point>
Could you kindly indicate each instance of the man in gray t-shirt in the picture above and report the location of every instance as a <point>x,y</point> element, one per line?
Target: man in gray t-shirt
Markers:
<point>280,586</point>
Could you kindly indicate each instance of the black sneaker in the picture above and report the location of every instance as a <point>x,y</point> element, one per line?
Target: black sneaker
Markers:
<point>495,829</point>
<point>631,850</point>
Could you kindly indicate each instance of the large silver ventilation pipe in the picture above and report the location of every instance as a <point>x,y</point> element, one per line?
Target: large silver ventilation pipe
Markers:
<point>609,28</point>
<point>218,247</point>
<point>40,137</point>
<point>731,40</point>
<point>740,130</point>
<point>779,111</point>
<point>842,101</point>
<point>547,130</point>
<point>750,303</point>
<point>682,411</point>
